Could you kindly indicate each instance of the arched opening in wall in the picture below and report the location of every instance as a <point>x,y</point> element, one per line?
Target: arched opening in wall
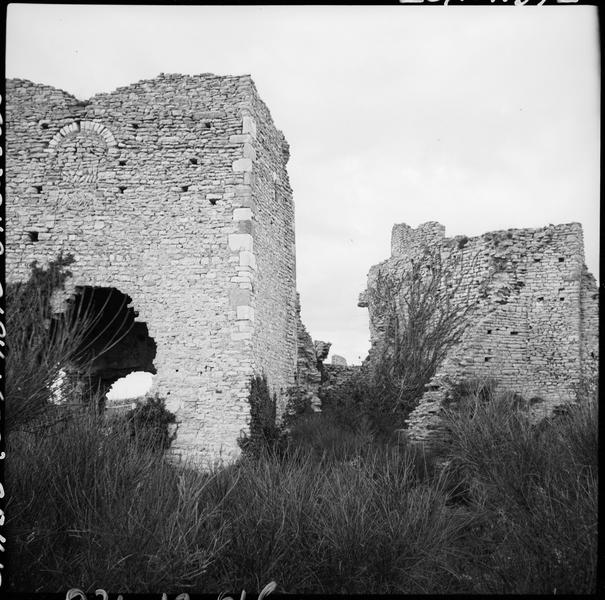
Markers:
<point>109,343</point>
<point>128,388</point>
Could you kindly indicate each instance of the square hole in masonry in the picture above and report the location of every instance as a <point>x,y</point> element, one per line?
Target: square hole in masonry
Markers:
<point>33,236</point>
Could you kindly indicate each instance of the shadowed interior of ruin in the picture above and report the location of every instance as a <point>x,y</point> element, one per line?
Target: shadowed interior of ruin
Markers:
<point>111,344</point>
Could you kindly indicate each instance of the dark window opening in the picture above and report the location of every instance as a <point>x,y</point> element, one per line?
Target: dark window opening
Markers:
<point>33,236</point>
<point>122,188</point>
<point>489,331</point>
<point>514,333</point>
<point>44,125</point>
<point>135,125</point>
<point>561,259</point>
<point>38,189</point>
<point>193,161</point>
<point>213,201</point>
<point>463,241</point>
<point>122,163</point>
<point>537,259</point>
<point>208,125</point>
<point>185,188</point>
<point>541,299</point>
<point>487,358</point>
<point>561,299</point>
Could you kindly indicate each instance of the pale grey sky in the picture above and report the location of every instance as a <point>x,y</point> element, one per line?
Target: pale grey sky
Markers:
<point>481,118</point>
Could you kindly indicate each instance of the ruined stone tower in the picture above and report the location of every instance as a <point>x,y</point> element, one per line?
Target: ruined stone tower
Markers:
<point>533,313</point>
<point>172,194</point>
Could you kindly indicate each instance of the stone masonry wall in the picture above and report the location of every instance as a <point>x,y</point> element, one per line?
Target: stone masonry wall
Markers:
<point>534,319</point>
<point>174,191</point>
<point>275,344</point>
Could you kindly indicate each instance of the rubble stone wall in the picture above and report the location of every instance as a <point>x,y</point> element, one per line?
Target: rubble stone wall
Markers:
<point>174,191</point>
<point>533,324</point>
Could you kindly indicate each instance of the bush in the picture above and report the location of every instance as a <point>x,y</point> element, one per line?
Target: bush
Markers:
<point>148,423</point>
<point>425,311</point>
<point>536,486</point>
<point>90,509</point>
<point>365,526</point>
<point>264,431</point>
<point>34,355</point>
<point>326,439</point>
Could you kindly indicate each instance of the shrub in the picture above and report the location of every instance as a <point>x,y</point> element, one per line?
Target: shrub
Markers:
<point>149,421</point>
<point>34,355</point>
<point>362,526</point>
<point>298,405</point>
<point>264,431</point>
<point>537,489</point>
<point>326,439</point>
<point>425,311</point>
<point>89,509</point>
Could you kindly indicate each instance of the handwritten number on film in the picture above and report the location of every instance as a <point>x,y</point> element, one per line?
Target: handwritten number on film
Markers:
<point>77,594</point>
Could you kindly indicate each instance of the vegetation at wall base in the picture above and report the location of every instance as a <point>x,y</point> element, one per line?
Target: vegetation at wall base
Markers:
<point>513,510</point>
<point>264,430</point>
<point>148,423</point>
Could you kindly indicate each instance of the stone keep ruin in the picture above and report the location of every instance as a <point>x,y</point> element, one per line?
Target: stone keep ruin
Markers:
<point>532,312</point>
<point>172,195</point>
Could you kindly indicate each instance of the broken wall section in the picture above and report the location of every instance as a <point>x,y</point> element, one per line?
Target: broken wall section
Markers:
<point>533,322</point>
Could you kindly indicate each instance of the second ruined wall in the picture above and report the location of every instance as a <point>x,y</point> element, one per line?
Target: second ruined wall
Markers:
<point>534,320</point>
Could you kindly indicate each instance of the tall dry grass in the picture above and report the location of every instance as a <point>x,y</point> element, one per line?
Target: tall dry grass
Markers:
<point>515,511</point>
<point>535,488</point>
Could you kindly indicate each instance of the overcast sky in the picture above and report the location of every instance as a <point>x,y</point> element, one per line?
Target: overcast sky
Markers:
<point>481,118</point>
